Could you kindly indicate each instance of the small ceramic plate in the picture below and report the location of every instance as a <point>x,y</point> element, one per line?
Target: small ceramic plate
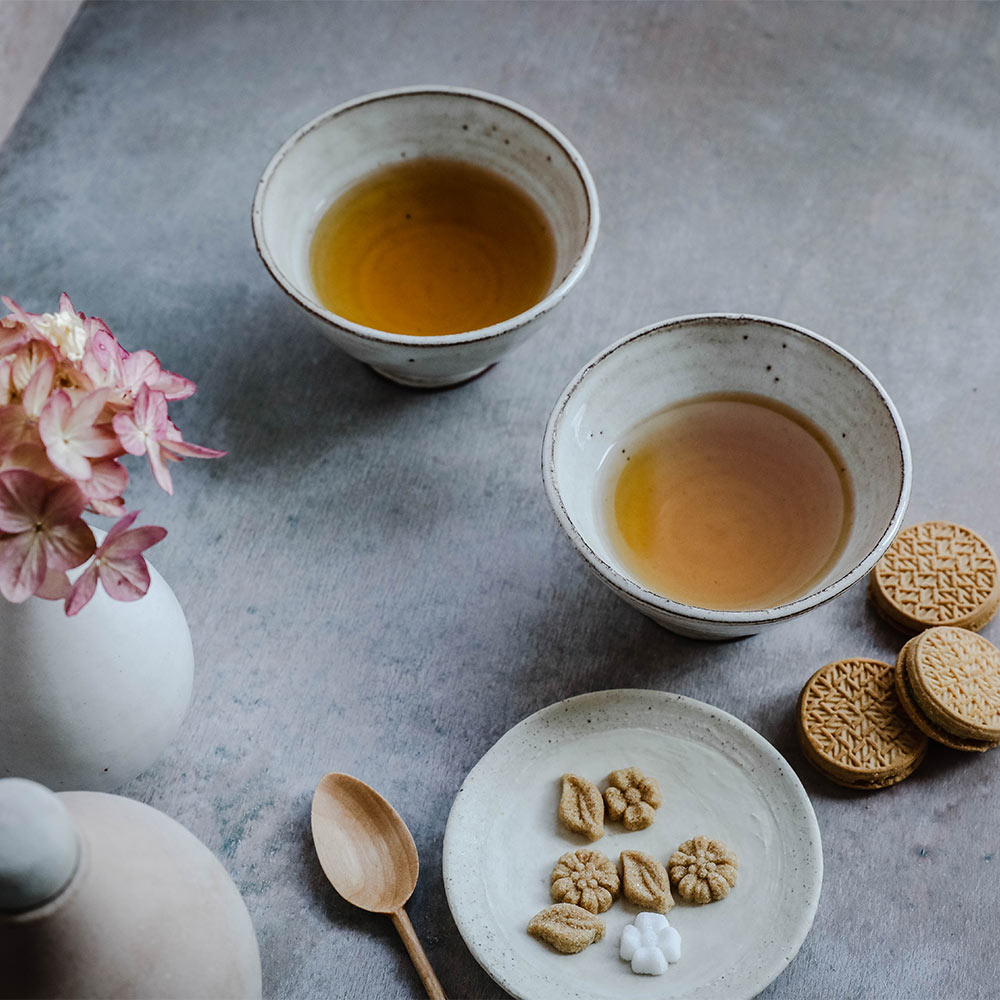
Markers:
<point>718,777</point>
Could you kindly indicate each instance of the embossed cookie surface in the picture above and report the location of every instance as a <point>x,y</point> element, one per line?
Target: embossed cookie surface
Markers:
<point>920,719</point>
<point>955,677</point>
<point>581,807</point>
<point>937,573</point>
<point>566,927</point>
<point>853,727</point>
<point>702,870</point>
<point>632,797</point>
<point>645,882</point>
<point>585,877</point>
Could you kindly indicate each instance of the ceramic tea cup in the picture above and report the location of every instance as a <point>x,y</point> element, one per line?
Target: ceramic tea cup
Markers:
<point>334,151</point>
<point>692,356</point>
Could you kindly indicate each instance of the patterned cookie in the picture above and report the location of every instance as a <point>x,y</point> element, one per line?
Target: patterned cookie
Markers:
<point>920,720</point>
<point>702,870</point>
<point>853,728</point>
<point>645,882</point>
<point>566,927</point>
<point>585,877</point>
<point>955,678</point>
<point>581,807</point>
<point>632,797</point>
<point>937,573</point>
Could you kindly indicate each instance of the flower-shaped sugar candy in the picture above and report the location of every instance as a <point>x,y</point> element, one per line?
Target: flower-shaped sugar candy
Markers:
<point>650,944</point>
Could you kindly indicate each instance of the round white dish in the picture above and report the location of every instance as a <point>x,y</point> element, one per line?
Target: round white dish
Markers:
<point>719,778</point>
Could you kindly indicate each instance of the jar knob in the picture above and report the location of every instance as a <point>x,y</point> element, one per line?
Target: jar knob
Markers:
<point>39,847</point>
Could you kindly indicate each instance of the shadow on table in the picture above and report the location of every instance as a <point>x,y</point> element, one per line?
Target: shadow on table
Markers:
<point>288,388</point>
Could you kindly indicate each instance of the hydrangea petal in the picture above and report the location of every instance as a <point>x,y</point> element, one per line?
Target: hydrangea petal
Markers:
<point>22,565</point>
<point>36,392</point>
<point>27,360</point>
<point>22,495</point>
<point>131,543</point>
<point>130,436</point>
<point>108,480</point>
<point>188,450</point>
<point>55,586</point>
<point>124,579</point>
<point>13,333</point>
<point>82,590</point>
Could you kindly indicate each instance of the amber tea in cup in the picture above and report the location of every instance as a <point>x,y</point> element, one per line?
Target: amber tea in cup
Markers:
<point>506,223</point>
<point>430,247</point>
<point>729,501</point>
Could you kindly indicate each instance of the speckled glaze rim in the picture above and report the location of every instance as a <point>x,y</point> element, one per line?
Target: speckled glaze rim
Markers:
<point>556,295</point>
<point>463,830</point>
<point>641,595</point>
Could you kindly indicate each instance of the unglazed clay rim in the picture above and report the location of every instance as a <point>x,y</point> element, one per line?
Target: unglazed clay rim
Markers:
<point>466,838</point>
<point>626,586</point>
<point>555,296</point>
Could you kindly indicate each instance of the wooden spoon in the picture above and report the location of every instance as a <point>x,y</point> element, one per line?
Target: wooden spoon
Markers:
<point>369,857</point>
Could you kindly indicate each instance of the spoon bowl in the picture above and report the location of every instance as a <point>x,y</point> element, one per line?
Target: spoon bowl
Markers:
<point>369,857</point>
<point>363,845</point>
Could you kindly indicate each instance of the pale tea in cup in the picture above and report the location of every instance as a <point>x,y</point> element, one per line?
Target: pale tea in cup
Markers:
<point>727,501</point>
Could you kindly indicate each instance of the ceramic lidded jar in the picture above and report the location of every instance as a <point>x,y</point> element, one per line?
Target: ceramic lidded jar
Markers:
<point>104,897</point>
<point>89,702</point>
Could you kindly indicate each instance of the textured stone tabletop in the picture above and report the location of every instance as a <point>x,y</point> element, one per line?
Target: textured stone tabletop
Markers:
<point>372,577</point>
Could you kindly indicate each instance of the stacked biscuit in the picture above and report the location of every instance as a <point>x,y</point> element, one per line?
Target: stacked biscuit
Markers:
<point>865,723</point>
<point>948,681</point>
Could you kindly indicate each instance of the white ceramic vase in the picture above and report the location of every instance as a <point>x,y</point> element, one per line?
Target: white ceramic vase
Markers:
<point>89,702</point>
<point>104,897</point>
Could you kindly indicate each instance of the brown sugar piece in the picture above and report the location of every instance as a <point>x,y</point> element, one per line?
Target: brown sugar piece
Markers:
<point>581,807</point>
<point>702,870</point>
<point>587,878</point>
<point>937,573</point>
<point>645,882</point>
<point>632,797</point>
<point>566,927</point>
<point>954,675</point>
<point>905,692</point>
<point>853,728</point>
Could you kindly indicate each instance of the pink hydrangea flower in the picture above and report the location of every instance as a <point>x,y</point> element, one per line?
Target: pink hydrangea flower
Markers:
<point>73,402</point>
<point>148,431</point>
<point>40,530</point>
<point>71,435</point>
<point>118,564</point>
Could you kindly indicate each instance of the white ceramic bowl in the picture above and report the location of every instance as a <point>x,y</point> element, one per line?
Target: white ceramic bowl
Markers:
<point>672,361</point>
<point>333,151</point>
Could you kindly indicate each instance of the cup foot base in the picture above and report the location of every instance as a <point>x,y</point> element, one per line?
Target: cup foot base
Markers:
<point>429,381</point>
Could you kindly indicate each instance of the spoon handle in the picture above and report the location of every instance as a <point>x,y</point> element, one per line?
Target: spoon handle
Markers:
<point>420,961</point>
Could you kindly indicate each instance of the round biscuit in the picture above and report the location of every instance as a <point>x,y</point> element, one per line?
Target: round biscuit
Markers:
<point>955,678</point>
<point>937,573</point>
<point>850,781</point>
<point>853,728</point>
<point>905,693</point>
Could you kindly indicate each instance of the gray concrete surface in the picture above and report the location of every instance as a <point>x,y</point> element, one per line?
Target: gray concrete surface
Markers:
<point>372,577</point>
